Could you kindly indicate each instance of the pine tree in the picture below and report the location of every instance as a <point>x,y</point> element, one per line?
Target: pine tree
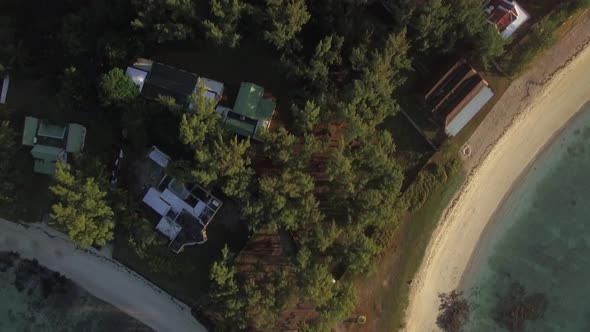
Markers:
<point>225,293</point>
<point>165,20</point>
<point>201,122</point>
<point>285,19</point>
<point>115,87</point>
<point>223,24</point>
<point>81,208</point>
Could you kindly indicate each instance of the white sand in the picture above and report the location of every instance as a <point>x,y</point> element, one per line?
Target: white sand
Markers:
<point>460,230</point>
<point>99,275</point>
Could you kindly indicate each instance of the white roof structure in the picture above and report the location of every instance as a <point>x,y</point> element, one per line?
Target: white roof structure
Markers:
<point>138,76</point>
<point>152,199</point>
<point>469,111</point>
<point>4,89</point>
<point>214,88</point>
<point>159,157</point>
<point>169,228</point>
<point>520,19</point>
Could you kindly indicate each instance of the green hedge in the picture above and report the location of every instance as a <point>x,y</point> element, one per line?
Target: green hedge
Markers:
<point>429,179</point>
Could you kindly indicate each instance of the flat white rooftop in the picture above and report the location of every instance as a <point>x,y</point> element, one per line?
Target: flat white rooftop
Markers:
<point>169,228</point>
<point>159,157</point>
<point>153,200</point>
<point>214,88</point>
<point>137,76</point>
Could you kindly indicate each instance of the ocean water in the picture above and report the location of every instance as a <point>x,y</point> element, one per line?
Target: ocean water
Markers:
<point>532,270</point>
<point>34,299</point>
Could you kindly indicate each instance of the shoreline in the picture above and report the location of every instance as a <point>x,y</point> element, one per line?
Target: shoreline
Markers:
<point>99,275</point>
<point>456,239</point>
<point>494,221</point>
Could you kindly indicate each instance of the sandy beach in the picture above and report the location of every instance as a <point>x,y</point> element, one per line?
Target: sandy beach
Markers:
<point>519,126</point>
<point>99,275</point>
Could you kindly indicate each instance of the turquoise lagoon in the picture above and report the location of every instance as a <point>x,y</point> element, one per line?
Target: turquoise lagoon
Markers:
<point>540,239</point>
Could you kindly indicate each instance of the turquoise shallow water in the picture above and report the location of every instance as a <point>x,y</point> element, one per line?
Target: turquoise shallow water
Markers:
<point>540,240</point>
<point>34,299</point>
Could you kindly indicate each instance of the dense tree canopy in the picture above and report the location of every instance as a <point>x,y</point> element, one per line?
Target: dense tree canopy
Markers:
<point>165,20</point>
<point>284,201</point>
<point>81,208</point>
<point>201,122</point>
<point>226,164</point>
<point>285,20</point>
<point>223,25</point>
<point>432,26</point>
<point>116,87</point>
<point>367,101</point>
<point>225,293</point>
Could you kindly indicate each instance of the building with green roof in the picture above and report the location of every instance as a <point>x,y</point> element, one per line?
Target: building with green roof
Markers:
<point>52,142</point>
<point>251,110</point>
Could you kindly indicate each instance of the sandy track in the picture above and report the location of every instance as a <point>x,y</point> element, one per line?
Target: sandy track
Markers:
<point>494,171</point>
<point>99,275</point>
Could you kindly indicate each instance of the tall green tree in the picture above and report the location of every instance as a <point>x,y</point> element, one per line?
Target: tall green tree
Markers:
<point>165,20</point>
<point>317,283</point>
<point>490,45</point>
<point>366,181</point>
<point>278,145</point>
<point>266,298</point>
<point>225,294</point>
<point>285,19</point>
<point>226,164</point>
<point>467,18</point>
<point>81,208</point>
<point>339,307</point>
<point>401,10</point>
<point>115,87</point>
<point>316,70</point>
<point>367,101</point>
<point>284,201</point>
<point>306,117</point>
<point>431,27</point>
<point>222,26</point>
<point>201,122</point>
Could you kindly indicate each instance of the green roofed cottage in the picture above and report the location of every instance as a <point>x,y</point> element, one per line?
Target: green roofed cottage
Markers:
<point>51,142</point>
<point>251,110</point>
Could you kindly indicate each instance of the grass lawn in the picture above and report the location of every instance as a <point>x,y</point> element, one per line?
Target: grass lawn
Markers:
<point>415,234</point>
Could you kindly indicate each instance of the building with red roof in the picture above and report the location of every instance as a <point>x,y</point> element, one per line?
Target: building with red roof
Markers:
<point>506,15</point>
